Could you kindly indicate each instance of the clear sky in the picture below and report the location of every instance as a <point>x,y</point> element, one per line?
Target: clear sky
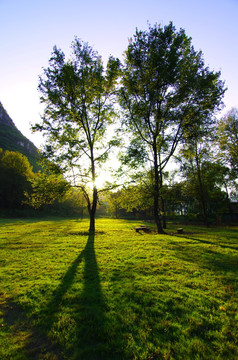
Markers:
<point>29,30</point>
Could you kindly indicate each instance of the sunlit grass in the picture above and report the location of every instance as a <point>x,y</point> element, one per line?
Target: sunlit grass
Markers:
<point>66,294</point>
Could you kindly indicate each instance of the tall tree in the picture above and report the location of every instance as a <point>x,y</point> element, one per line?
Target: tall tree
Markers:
<point>77,94</point>
<point>165,86</point>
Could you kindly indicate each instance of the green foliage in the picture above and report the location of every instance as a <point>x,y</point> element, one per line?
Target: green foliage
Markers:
<point>78,98</point>
<point>76,94</point>
<point>15,175</point>
<point>135,154</point>
<point>16,162</point>
<point>205,178</point>
<point>22,192</point>
<point>166,85</point>
<point>66,294</point>
<point>227,138</point>
<point>46,189</point>
<point>165,89</point>
<point>134,201</point>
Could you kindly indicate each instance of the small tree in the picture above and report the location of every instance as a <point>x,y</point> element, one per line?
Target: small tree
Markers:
<point>78,109</point>
<point>227,138</point>
<point>204,178</point>
<point>165,88</point>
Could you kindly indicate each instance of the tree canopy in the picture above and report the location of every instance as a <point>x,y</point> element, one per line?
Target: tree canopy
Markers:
<point>166,88</point>
<point>78,98</point>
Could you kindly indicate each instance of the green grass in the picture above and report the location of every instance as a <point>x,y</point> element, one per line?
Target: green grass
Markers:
<point>66,294</point>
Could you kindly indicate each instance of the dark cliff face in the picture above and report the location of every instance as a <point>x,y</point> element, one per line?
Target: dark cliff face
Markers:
<point>12,139</point>
<point>4,117</point>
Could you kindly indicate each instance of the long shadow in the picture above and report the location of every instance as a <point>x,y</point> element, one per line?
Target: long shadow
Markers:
<point>207,257</point>
<point>40,344</point>
<point>84,307</point>
<point>91,327</point>
<point>207,242</point>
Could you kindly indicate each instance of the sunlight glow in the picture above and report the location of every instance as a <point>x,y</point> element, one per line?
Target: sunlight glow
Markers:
<point>98,182</point>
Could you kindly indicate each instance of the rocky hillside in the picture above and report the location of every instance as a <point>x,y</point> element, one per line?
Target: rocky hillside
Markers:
<point>12,139</point>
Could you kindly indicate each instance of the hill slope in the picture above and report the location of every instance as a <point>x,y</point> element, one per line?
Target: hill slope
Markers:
<point>12,139</point>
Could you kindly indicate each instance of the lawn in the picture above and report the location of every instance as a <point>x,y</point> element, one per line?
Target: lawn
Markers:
<point>118,294</point>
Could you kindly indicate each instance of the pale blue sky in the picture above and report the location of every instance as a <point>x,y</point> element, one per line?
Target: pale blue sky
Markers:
<point>29,30</point>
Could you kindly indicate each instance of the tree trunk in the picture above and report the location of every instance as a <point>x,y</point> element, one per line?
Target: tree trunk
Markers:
<point>92,211</point>
<point>163,212</point>
<point>202,197</point>
<point>156,214</point>
<point>92,222</point>
<point>156,193</point>
<point>93,207</point>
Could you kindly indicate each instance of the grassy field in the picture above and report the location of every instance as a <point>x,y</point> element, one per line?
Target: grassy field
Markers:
<point>118,294</point>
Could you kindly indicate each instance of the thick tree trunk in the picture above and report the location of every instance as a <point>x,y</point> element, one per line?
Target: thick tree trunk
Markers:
<point>156,215</point>
<point>92,211</point>
<point>92,222</point>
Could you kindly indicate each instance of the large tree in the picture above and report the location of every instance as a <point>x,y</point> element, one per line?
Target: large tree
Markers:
<point>77,94</point>
<point>165,88</point>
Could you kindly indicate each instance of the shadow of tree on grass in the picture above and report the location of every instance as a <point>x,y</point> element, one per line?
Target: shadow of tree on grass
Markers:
<point>213,257</point>
<point>73,324</point>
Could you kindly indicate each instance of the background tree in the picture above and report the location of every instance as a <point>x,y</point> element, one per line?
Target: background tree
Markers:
<point>137,198</point>
<point>15,175</point>
<point>46,189</point>
<point>131,201</point>
<point>227,138</point>
<point>113,203</point>
<point>78,109</point>
<point>165,86</point>
<point>176,200</point>
<point>204,177</point>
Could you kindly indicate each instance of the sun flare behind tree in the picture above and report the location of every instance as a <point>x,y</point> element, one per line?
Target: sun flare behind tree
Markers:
<point>78,98</point>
